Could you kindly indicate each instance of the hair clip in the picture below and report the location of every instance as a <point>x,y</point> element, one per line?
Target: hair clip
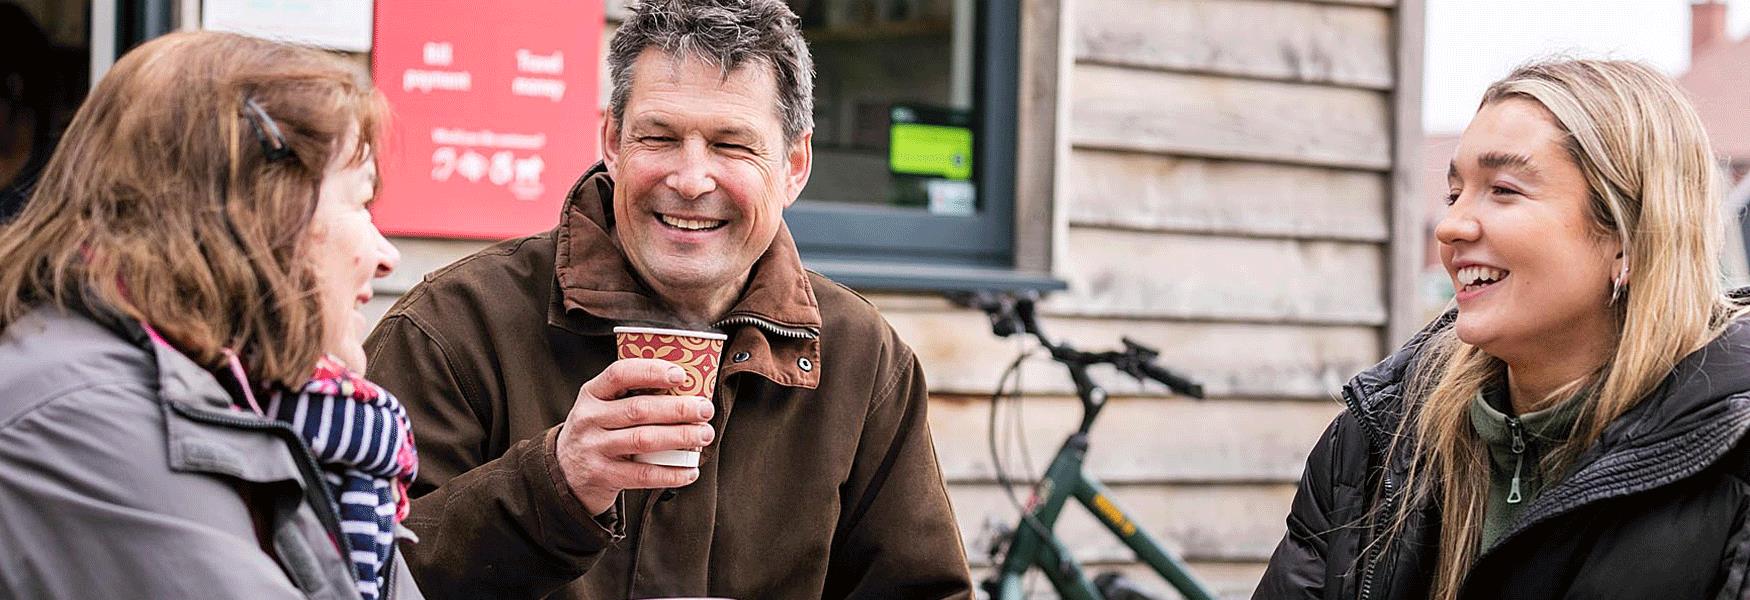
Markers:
<point>273,143</point>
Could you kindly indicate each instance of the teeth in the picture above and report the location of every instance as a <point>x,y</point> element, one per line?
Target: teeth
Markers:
<point>1479,274</point>
<point>691,224</point>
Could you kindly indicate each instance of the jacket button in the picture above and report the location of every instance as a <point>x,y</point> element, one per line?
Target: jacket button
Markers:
<point>666,496</point>
<point>741,357</point>
<point>807,365</point>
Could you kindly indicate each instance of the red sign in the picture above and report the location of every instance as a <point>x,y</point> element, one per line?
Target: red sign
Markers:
<point>494,112</point>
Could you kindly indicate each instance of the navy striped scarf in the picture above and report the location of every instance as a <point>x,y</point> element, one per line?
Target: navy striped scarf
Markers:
<point>359,433</point>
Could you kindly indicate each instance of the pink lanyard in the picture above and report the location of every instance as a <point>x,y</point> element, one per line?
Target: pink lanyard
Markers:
<point>231,361</point>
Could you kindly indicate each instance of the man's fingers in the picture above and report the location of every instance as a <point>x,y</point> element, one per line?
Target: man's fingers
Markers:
<point>629,475</point>
<point>653,410</point>
<point>633,374</point>
<point>652,438</point>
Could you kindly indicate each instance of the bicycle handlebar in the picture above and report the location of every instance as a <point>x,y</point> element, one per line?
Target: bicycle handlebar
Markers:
<point>1014,313</point>
<point>1177,382</point>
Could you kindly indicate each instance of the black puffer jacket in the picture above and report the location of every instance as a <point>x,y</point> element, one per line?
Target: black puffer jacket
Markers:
<point>1655,509</point>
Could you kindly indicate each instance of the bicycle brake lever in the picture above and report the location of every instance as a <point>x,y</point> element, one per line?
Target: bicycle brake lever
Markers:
<point>1146,353</point>
<point>1141,366</point>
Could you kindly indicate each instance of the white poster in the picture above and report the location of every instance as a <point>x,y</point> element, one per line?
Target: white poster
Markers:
<point>337,24</point>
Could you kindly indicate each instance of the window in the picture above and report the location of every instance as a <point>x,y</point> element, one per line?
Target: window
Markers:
<point>914,143</point>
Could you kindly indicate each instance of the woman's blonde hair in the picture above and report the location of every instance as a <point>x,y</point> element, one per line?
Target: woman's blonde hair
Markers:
<point>164,202</point>
<point>1654,187</point>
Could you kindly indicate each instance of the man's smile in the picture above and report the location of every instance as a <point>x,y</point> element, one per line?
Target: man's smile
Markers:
<point>690,224</point>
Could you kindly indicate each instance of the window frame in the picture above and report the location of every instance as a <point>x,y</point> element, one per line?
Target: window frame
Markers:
<point>890,248</point>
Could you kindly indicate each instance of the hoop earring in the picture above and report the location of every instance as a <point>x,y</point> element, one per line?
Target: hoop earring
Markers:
<point>1618,283</point>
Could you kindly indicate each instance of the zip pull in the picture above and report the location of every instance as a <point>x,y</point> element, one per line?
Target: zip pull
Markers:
<point>1516,432</point>
<point>1513,496</point>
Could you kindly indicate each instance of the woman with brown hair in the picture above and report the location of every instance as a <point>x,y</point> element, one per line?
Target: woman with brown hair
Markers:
<point>1575,429</point>
<point>180,414</point>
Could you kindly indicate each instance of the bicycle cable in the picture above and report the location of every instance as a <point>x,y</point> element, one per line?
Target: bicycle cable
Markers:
<point>993,437</point>
<point>1027,518</point>
<point>1019,422</point>
<point>1018,433</point>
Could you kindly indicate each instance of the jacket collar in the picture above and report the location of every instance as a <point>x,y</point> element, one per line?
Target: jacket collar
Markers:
<point>1689,422</point>
<point>212,436</point>
<point>1375,395</point>
<point>180,380</point>
<point>776,322</point>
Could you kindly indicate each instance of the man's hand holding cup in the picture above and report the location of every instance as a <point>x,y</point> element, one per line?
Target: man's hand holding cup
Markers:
<point>642,422</point>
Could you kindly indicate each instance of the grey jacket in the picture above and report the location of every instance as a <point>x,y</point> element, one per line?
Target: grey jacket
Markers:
<point>125,474</point>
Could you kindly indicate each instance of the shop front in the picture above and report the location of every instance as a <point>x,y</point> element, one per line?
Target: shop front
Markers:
<point>1232,182</point>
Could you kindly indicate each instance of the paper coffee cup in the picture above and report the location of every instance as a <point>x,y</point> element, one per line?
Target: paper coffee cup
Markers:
<point>696,352</point>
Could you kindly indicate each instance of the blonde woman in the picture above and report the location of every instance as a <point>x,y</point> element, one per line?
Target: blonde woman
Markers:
<point>181,414</point>
<point>1574,429</point>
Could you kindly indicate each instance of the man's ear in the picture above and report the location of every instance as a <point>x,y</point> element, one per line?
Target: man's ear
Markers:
<point>798,163</point>
<point>610,138</point>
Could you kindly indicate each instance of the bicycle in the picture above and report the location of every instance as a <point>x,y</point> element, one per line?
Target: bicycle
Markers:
<point>1032,543</point>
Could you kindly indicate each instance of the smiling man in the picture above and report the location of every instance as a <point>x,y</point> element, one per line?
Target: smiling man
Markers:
<point>818,478</point>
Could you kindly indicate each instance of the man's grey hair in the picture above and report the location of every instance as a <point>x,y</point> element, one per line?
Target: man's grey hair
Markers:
<point>727,33</point>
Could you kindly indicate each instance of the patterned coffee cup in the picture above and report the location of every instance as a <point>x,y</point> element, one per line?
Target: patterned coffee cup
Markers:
<point>696,352</point>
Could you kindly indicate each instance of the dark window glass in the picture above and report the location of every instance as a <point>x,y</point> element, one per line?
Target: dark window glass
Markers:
<point>894,104</point>
<point>914,133</point>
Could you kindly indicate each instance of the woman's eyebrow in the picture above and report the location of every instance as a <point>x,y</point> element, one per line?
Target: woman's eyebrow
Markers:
<point>1505,160</point>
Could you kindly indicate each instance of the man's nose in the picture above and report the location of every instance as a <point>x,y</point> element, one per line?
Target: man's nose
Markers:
<point>692,178</point>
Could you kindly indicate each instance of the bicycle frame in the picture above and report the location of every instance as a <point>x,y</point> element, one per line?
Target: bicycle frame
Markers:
<point>1064,480</point>
<point>1033,543</point>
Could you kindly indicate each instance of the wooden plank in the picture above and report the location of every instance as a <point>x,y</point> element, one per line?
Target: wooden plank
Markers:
<point>1374,3</point>
<point>1119,273</point>
<point>1136,440</point>
<point>1268,39</point>
<point>1200,115</point>
<point>1040,141</point>
<point>1198,522</point>
<point>1408,233</point>
<point>1167,193</point>
<point>898,301</point>
<point>960,355</point>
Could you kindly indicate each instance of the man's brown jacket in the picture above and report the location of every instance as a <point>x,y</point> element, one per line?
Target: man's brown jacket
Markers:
<point>822,482</point>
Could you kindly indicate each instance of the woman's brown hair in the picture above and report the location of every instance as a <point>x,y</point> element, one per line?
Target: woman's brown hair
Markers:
<point>166,200</point>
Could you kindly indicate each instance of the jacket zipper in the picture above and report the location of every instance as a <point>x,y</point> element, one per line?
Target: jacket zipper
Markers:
<point>319,502</point>
<point>388,575</point>
<point>1374,553</point>
<point>1390,488</point>
<point>795,333</point>
<point>1516,431</point>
